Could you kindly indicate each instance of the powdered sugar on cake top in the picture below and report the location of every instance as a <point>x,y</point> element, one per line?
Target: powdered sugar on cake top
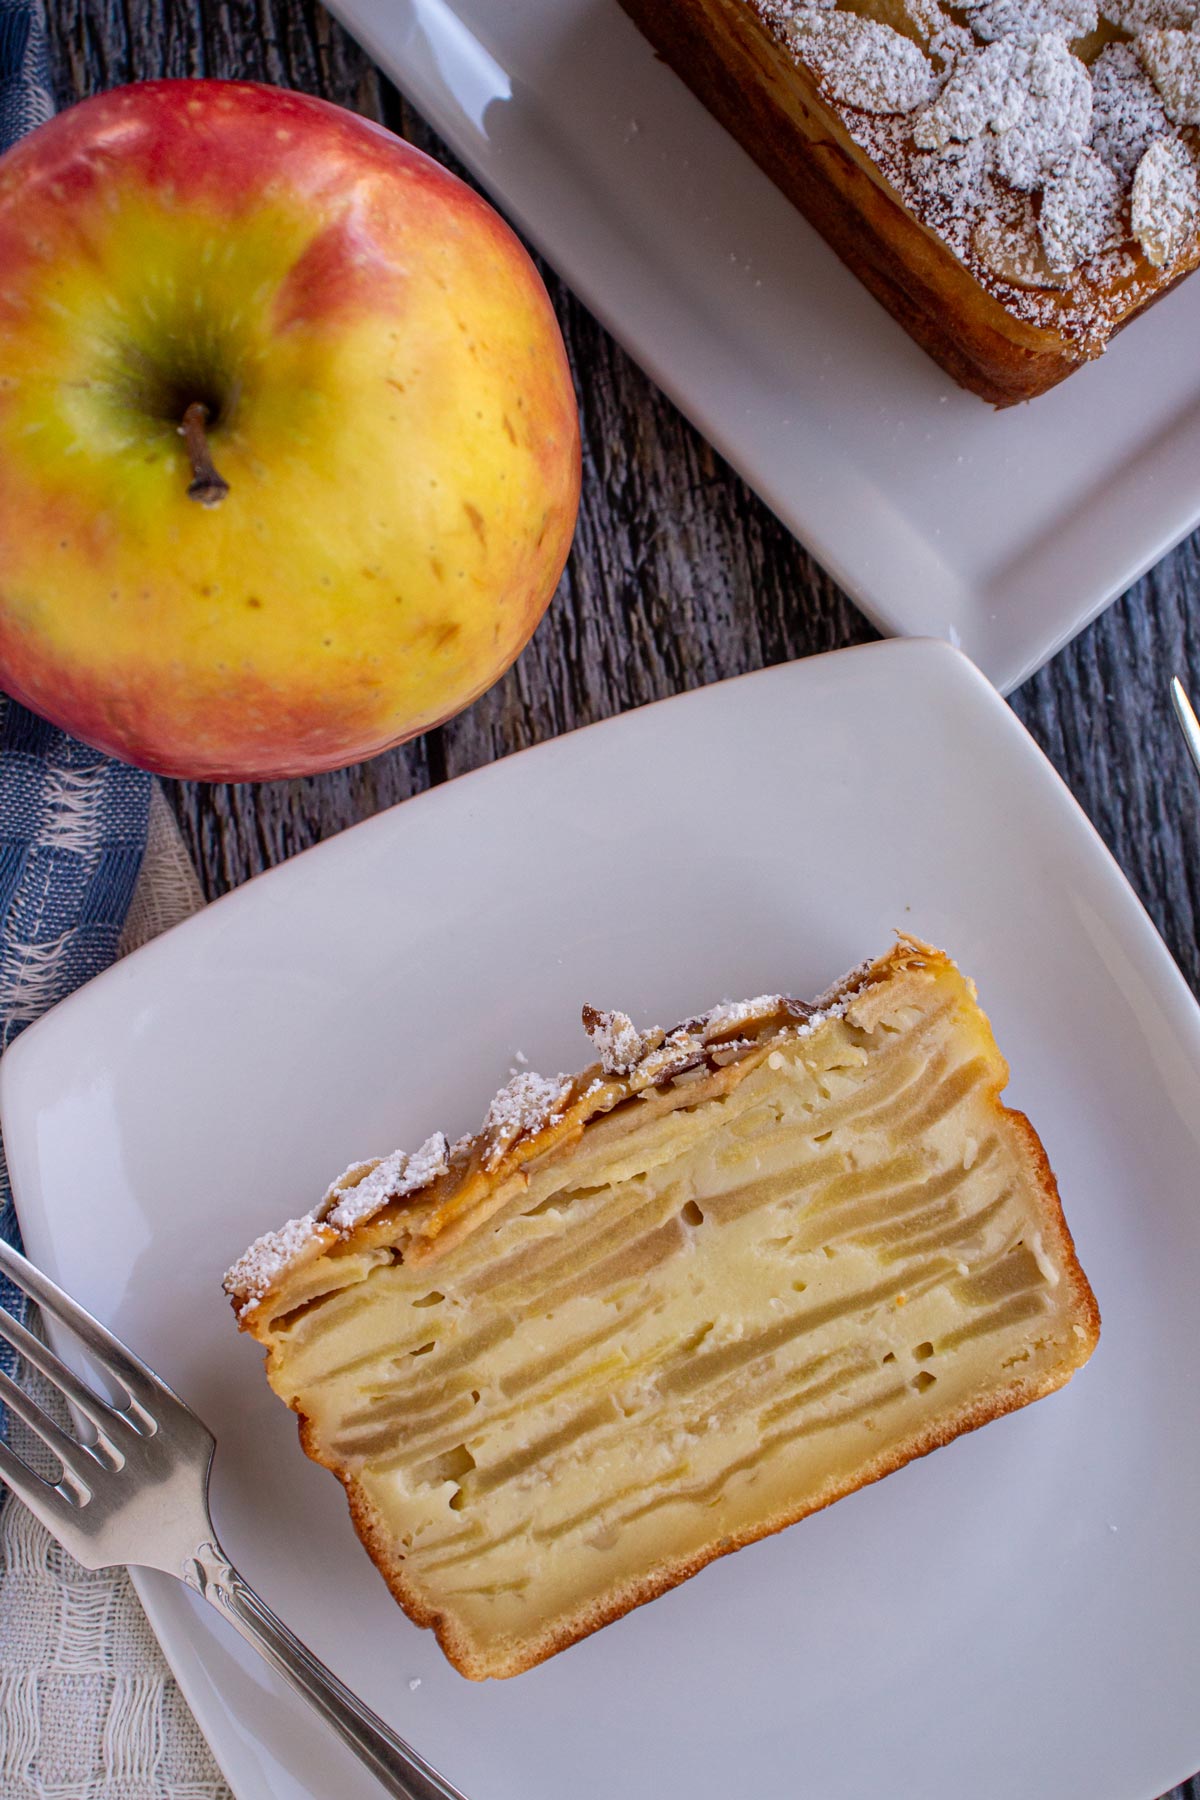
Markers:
<point>993,19</point>
<point>863,63</point>
<point>616,1040</point>
<point>1135,16</point>
<point>1127,111</point>
<point>355,1196</point>
<point>527,1106</point>
<point>258,1269</point>
<point>1166,201</point>
<point>1034,98</point>
<point>1081,211</point>
<point>963,122</point>
<point>363,1190</point>
<point>732,1013</point>
<point>1172,61</point>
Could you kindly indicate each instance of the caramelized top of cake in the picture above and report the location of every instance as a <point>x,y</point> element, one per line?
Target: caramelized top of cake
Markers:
<point>428,1198</point>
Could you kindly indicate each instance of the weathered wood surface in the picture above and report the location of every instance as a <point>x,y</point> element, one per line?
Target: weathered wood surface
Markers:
<point>679,575</point>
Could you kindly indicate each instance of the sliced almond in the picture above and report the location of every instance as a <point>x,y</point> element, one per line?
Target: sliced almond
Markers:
<point>1007,243</point>
<point>864,63</point>
<point>1172,61</point>
<point>1165,204</point>
<point>1082,212</point>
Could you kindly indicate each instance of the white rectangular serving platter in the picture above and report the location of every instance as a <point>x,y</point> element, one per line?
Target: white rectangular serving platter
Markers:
<point>1004,532</point>
<point>1015,1616</point>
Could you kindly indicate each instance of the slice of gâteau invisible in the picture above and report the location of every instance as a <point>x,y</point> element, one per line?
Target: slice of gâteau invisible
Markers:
<point>654,1311</point>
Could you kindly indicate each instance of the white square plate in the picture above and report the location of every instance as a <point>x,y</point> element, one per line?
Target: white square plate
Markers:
<point>1005,532</point>
<point>1015,1616</point>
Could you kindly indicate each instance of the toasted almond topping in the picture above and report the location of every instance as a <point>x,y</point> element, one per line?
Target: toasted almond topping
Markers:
<point>864,63</point>
<point>1127,111</point>
<point>1082,211</point>
<point>1172,60</point>
<point>1165,206</point>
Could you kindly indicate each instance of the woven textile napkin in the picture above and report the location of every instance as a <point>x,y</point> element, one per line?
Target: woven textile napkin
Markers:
<point>72,822</point>
<point>88,1707</point>
<point>25,97</point>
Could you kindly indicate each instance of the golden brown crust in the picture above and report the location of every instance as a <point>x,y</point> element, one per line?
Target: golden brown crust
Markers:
<point>1043,1178</point>
<point>523,1653</point>
<point>726,54</point>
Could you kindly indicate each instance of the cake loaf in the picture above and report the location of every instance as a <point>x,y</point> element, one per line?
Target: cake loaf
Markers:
<point>1014,179</point>
<point>652,1312</point>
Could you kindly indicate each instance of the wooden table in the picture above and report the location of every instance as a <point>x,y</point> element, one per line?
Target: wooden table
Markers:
<point>679,575</point>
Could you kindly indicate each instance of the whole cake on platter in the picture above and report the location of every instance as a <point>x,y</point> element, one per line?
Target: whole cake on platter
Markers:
<point>1014,179</point>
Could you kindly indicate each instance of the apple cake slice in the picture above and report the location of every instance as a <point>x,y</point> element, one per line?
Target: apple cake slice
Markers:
<point>654,1311</point>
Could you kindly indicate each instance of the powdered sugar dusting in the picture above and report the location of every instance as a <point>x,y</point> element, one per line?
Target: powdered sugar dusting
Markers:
<point>862,62</point>
<point>1015,112</point>
<point>679,1051</point>
<point>1035,98</point>
<point>1029,18</point>
<point>616,1040</point>
<point>1008,242</point>
<point>1127,111</point>
<point>356,1197</point>
<point>528,1104</point>
<point>842,992</point>
<point>525,1107</point>
<point>259,1268</point>
<point>732,1013</point>
<point>1135,16</point>
<point>1166,201</point>
<point>1172,61</point>
<point>426,1164</point>
<point>1082,210</point>
<point>822,1016</point>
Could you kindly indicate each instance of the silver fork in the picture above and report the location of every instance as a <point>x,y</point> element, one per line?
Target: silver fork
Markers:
<point>138,1494</point>
<point>1189,724</point>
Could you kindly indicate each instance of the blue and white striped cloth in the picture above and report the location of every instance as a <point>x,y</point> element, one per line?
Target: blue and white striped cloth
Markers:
<point>72,822</point>
<point>25,96</point>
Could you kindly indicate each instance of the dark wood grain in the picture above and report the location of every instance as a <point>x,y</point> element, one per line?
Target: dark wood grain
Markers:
<point>679,575</point>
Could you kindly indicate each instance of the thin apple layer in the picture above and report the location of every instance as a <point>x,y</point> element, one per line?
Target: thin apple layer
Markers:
<point>738,1293</point>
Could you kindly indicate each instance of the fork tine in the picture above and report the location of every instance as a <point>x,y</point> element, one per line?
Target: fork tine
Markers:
<point>49,1504</point>
<point>73,1456</point>
<point>109,1352</point>
<point>1188,722</point>
<point>39,1356</point>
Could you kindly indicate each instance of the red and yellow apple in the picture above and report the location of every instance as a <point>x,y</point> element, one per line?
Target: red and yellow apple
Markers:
<point>289,453</point>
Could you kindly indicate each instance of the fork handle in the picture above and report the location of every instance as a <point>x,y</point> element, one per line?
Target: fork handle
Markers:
<point>394,1763</point>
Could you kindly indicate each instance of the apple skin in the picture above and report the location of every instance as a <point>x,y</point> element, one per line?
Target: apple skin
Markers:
<point>391,408</point>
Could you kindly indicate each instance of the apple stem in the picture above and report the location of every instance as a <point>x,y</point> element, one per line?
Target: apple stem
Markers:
<point>206,485</point>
